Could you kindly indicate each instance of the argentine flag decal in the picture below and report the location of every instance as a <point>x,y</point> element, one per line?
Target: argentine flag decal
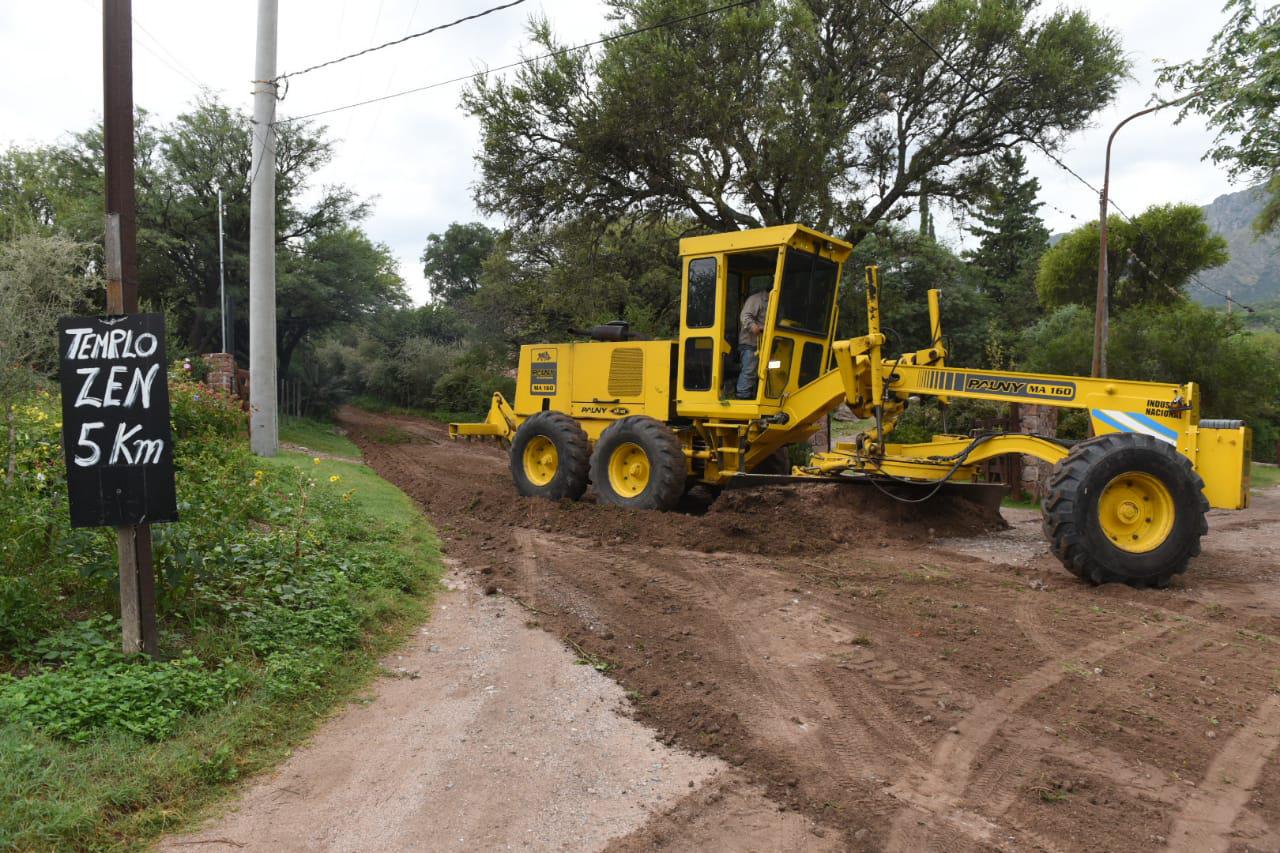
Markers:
<point>1135,422</point>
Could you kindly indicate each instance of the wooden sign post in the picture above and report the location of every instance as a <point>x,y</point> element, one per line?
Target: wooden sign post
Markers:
<point>118,447</point>
<point>133,541</point>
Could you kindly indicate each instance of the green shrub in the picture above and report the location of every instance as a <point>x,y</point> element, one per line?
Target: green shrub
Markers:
<point>922,422</point>
<point>23,612</point>
<point>202,411</point>
<point>313,610</point>
<point>79,701</point>
<point>469,389</point>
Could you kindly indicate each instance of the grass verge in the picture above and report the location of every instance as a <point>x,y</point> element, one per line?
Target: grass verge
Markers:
<point>280,590</point>
<point>1263,476</point>
<point>317,436</point>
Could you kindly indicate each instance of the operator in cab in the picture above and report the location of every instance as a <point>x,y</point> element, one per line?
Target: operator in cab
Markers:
<point>750,327</point>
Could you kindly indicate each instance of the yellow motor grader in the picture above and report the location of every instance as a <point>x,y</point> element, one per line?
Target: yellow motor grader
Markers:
<point>641,421</point>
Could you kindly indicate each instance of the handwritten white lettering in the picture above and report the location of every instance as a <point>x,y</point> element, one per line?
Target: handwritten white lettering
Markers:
<point>95,452</point>
<point>83,398</point>
<point>118,449</point>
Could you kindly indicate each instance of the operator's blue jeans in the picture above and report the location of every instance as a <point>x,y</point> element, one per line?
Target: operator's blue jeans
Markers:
<point>749,376</point>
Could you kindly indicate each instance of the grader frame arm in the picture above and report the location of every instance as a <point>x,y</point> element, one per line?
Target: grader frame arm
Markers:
<point>880,388</point>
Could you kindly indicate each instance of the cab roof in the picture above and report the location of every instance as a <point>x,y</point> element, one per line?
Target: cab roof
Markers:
<point>797,236</point>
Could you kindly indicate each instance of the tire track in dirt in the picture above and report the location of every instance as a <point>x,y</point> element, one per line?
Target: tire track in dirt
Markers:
<point>936,793</point>
<point>1205,822</point>
<point>1029,621</point>
<point>815,684</point>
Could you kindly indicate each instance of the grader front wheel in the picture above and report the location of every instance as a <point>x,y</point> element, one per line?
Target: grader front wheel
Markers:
<point>1125,507</point>
<point>549,457</point>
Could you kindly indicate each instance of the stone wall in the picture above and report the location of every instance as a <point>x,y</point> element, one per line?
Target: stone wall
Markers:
<point>1037,420</point>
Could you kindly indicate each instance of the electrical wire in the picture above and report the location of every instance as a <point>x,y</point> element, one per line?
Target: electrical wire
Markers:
<point>947,63</point>
<point>551,55</point>
<point>950,67</point>
<point>409,37</point>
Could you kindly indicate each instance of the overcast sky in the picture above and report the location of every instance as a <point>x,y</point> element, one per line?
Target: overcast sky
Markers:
<point>414,154</point>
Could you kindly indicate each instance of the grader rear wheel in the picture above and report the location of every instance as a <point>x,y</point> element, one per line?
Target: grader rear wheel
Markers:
<point>1125,507</point>
<point>638,463</point>
<point>549,457</point>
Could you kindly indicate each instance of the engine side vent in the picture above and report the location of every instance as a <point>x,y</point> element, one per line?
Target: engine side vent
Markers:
<point>626,372</point>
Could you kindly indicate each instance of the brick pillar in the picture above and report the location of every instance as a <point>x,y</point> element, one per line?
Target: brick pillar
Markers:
<point>1040,420</point>
<point>222,371</point>
<point>820,441</point>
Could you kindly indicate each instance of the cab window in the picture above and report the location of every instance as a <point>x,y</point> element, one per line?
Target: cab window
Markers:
<point>808,290</point>
<point>700,305</point>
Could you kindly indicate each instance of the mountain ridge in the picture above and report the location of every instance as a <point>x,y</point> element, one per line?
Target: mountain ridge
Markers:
<point>1252,275</point>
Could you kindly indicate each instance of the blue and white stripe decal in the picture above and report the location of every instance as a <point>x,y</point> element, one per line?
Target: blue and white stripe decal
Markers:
<point>1135,422</point>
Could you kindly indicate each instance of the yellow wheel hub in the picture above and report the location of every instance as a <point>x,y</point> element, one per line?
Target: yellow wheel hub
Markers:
<point>540,460</point>
<point>1136,512</point>
<point>628,470</point>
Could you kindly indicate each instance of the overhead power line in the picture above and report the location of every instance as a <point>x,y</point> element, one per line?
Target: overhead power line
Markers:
<point>947,63</point>
<point>950,67</point>
<point>551,55</point>
<point>409,37</point>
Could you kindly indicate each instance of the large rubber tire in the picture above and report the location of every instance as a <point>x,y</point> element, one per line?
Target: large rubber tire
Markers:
<point>566,475</point>
<point>654,448</point>
<point>1074,508</point>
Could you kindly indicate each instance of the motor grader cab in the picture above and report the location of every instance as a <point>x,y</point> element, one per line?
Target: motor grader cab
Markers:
<point>641,421</point>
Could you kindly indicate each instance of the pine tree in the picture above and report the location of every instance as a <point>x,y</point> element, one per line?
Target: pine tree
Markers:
<point>1012,238</point>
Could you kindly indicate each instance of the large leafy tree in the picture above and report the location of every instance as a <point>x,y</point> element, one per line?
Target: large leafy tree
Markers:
<point>828,112</point>
<point>1237,87</point>
<point>1012,237</point>
<point>178,169</point>
<point>543,285</point>
<point>1150,260</point>
<point>910,265</point>
<point>452,260</point>
<point>338,276</point>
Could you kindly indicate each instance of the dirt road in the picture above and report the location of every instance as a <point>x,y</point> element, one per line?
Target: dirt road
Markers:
<point>485,734</point>
<point>904,680</point>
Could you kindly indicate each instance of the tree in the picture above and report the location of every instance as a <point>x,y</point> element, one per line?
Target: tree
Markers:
<point>451,261</point>
<point>1237,88</point>
<point>41,279</point>
<point>1149,260</point>
<point>911,264</point>
<point>543,285</point>
<point>827,112</point>
<point>1012,238</point>
<point>178,168</point>
<point>337,276</point>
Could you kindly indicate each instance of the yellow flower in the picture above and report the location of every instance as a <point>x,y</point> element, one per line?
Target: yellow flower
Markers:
<point>315,460</point>
<point>335,478</point>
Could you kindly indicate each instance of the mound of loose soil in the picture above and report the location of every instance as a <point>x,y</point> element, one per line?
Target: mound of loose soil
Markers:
<point>474,487</point>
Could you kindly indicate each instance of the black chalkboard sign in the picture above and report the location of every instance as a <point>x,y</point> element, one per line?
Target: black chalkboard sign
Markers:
<point>115,420</point>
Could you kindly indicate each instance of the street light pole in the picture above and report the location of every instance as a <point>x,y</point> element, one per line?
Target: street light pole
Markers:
<point>222,277</point>
<point>1100,314</point>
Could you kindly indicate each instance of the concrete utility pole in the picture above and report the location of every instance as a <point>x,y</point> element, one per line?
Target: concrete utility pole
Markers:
<point>133,542</point>
<point>263,423</point>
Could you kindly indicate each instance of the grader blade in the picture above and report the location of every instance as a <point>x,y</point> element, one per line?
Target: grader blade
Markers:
<point>986,495</point>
